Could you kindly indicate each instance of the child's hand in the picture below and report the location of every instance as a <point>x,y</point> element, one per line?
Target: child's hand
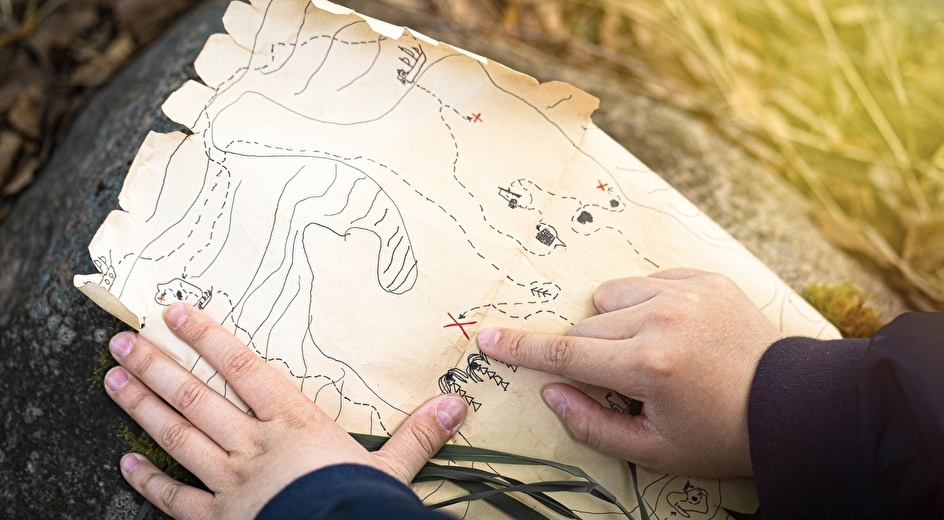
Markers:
<point>684,342</point>
<point>245,460</point>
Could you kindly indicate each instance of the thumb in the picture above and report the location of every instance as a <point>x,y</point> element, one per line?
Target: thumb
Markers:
<point>422,435</point>
<point>621,435</point>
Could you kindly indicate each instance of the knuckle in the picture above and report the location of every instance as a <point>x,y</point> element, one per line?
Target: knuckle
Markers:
<point>714,282</point>
<point>559,352</point>
<point>514,341</point>
<point>296,417</point>
<point>175,436</point>
<point>143,364</point>
<point>427,439</point>
<point>664,315</point>
<point>146,482</point>
<point>152,486</point>
<point>190,395</point>
<point>197,331</point>
<point>255,442</point>
<point>135,402</point>
<point>660,362</point>
<point>585,428</point>
<point>239,363</point>
<point>168,494</point>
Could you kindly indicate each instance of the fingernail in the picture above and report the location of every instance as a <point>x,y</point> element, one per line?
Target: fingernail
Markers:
<point>488,337</point>
<point>556,400</point>
<point>116,378</point>
<point>176,315</point>
<point>120,345</point>
<point>129,462</point>
<point>451,411</point>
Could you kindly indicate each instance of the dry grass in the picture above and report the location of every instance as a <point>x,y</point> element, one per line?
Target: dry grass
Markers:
<point>844,98</point>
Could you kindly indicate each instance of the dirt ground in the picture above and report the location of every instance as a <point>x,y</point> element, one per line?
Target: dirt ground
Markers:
<point>54,54</point>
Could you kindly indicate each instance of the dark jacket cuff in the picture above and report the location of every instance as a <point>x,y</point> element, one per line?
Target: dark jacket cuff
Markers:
<point>802,424</point>
<point>332,491</point>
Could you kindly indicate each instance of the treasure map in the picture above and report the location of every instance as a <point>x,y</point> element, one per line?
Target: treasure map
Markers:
<point>354,200</point>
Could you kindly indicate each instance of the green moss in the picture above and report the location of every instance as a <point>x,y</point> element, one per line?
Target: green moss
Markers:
<point>150,449</point>
<point>140,444</point>
<point>105,363</point>
<point>846,306</point>
<point>105,360</point>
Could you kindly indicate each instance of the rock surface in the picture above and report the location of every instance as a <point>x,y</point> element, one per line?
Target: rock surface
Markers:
<point>58,450</point>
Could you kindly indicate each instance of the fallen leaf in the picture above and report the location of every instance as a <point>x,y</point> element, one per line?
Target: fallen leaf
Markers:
<point>101,68</point>
<point>18,71</point>
<point>61,29</point>
<point>26,115</point>
<point>9,93</point>
<point>23,178</point>
<point>10,143</point>
<point>92,45</point>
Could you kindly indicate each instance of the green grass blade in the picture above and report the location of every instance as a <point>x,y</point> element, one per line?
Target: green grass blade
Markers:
<point>456,474</point>
<point>505,503</point>
<point>434,471</point>
<point>472,454</point>
<point>548,502</point>
<point>568,486</point>
<point>643,514</point>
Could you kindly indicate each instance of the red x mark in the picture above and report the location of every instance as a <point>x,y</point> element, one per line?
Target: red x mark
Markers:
<point>602,186</point>
<point>460,325</point>
<point>478,118</point>
<point>160,298</point>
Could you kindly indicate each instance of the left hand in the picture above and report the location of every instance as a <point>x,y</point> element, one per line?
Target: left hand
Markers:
<point>684,342</point>
<point>245,460</point>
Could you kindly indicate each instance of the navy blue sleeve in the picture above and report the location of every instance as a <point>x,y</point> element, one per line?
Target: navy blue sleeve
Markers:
<point>901,416</point>
<point>802,430</point>
<point>836,431</point>
<point>346,491</point>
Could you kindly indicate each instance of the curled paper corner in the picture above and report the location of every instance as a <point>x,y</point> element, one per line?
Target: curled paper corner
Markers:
<point>89,286</point>
<point>186,104</point>
<point>394,32</point>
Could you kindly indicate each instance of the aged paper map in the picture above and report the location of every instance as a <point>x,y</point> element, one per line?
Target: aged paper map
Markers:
<point>355,200</point>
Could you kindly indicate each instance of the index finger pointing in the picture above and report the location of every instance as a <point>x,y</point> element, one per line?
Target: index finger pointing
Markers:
<point>595,361</point>
<point>258,384</point>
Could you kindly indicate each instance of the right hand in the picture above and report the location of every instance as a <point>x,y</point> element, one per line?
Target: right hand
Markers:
<point>684,342</point>
<point>244,460</point>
